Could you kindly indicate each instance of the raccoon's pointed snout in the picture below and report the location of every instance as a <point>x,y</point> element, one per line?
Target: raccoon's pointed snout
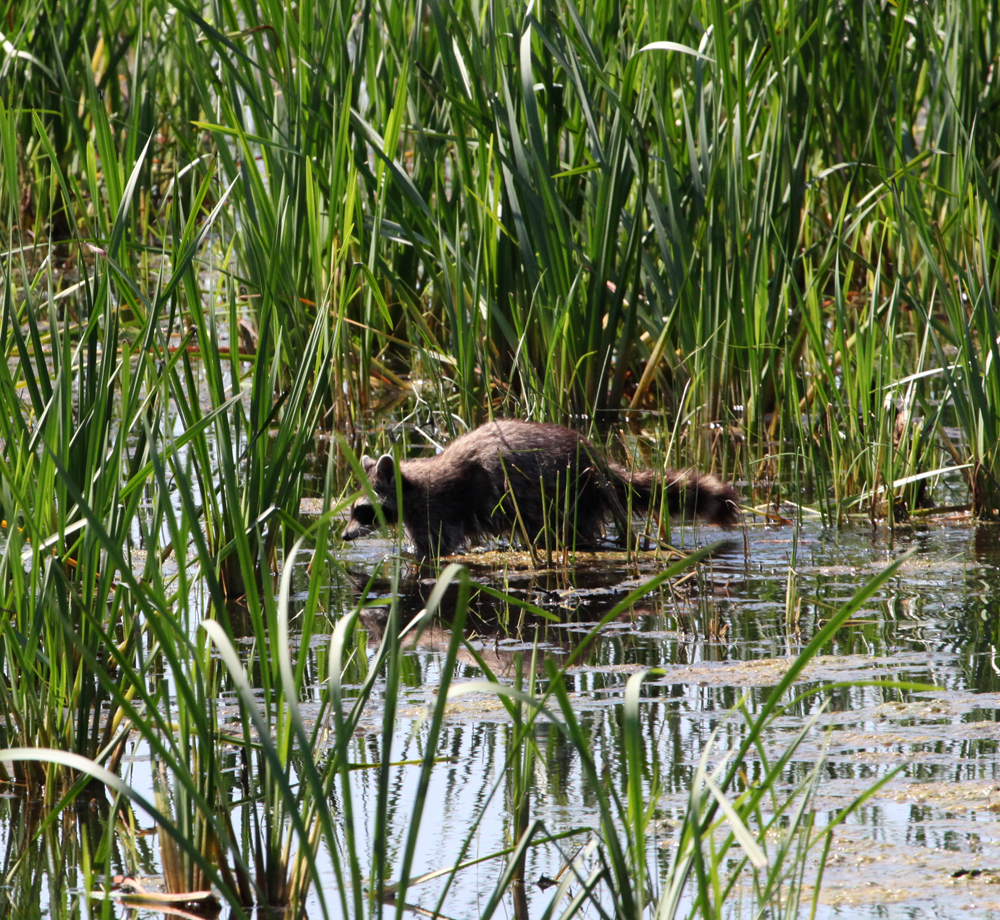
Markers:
<point>361,522</point>
<point>351,531</point>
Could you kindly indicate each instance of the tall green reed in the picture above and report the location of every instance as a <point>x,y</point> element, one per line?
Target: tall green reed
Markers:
<point>66,450</point>
<point>574,210</point>
<point>104,424</point>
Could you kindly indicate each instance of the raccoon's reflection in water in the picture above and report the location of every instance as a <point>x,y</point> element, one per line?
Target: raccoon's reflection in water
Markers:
<point>502,632</point>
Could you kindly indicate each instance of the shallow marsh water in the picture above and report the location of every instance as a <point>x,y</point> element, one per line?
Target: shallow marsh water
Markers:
<point>928,843</point>
<point>726,632</point>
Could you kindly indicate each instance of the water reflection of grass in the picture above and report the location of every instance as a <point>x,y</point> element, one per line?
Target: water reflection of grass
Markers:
<point>774,228</point>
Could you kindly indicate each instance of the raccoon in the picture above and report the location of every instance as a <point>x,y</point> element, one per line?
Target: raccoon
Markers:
<point>510,476</point>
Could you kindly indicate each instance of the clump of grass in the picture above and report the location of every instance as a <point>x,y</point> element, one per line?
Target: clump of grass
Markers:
<point>775,224</point>
<point>293,771</point>
<point>736,218</point>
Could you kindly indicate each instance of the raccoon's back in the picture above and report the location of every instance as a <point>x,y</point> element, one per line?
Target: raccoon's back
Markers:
<point>492,444</point>
<point>503,475</point>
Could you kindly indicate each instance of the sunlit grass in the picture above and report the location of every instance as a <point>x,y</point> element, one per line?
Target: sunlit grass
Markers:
<point>732,216</point>
<point>774,225</point>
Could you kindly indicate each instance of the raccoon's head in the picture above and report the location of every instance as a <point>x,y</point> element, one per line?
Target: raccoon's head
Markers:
<point>364,514</point>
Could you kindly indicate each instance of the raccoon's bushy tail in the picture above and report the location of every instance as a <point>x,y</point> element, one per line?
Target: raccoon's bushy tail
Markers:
<point>688,492</point>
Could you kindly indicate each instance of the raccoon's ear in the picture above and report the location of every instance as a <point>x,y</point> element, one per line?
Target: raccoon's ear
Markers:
<point>367,463</point>
<point>385,469</point>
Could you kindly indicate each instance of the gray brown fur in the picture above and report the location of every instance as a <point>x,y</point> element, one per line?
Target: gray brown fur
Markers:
<point>478,485</point>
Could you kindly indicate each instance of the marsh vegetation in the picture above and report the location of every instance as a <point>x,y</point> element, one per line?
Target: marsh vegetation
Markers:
<point>243,242</point>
